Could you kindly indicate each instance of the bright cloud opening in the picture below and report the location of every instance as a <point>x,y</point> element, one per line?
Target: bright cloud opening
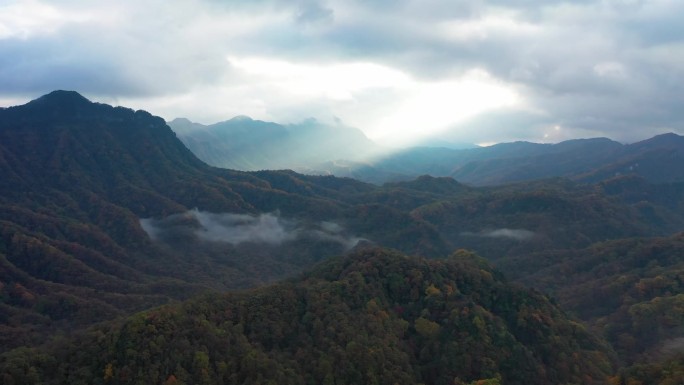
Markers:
<point>418,108</point>
<point>334,81</point>
<point>435,106</point>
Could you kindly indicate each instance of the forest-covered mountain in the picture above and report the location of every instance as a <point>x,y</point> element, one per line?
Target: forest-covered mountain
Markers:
<point>245,144</point>
<point>630,288</point>
<point>104,212</point>
<point>373,317</point>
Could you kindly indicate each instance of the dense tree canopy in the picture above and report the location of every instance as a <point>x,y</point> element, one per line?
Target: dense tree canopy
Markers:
<point>372,317</point>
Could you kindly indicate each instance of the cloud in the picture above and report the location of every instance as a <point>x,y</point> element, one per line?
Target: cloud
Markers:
<point>593,68</point>
<point>672,347</point>
<point>331,231</point>
<point>314,12</point>
<point>515,234</point>
<point>235,229</point>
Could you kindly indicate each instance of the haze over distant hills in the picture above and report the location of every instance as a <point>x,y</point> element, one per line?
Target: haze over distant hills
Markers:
<point>104,213</point>
<point>656,159</point>
<point>250,145</point>
<point>313,148</point>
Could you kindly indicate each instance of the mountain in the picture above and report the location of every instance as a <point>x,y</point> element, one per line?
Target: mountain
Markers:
<point>629,290</point>
<point>442,161</point>
<point>358,170</point>
<point>657,159</point>
<point>564,159</point>
<point>585,160</point>
<point>64,142</point>
<point>246,144</point>
<point>103,211</point>
<point>318,149</point>
<point>372,317</point>
<point>501,163</point>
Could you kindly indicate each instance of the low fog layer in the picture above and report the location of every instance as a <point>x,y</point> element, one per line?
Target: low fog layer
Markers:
<point>516,234</point>
<point>269,229</point>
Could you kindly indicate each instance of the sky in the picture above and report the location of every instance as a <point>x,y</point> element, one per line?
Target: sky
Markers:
<point>402,71</point>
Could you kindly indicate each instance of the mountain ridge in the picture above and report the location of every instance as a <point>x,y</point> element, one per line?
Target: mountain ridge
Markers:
<point>247,144</point>
<point>77,183</point>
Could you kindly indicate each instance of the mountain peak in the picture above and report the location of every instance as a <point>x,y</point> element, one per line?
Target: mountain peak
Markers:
<point>58,105</point>
<point>669,139</point>
<point>184,126</point>
<point>180,121</point>
<point>63,131</point>
<point>241,118</point>
<point>63,98</point>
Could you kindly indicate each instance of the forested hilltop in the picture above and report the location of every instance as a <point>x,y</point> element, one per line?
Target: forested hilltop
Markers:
<point>372,317</point>
<point>104,213</point>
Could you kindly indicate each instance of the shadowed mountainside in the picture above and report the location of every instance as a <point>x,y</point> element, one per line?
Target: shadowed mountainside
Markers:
<point>78,178</point>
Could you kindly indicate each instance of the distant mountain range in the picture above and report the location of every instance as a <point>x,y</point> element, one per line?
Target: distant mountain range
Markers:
<point>104,213</point>
<point>313,148</point>
<point>250,145</point>
<point>588,160</point>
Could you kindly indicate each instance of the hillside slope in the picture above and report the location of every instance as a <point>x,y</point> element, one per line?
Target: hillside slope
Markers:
<point>629,290</point>
<point>372,317</point>
<point>103,211</point>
